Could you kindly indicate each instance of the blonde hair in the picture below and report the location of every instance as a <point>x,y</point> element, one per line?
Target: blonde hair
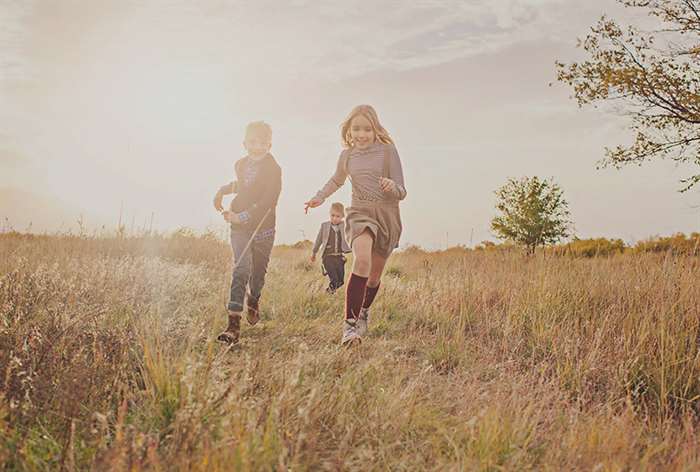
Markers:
<point>259,128</point>
<point>368,112</point>
<point>337,206</point>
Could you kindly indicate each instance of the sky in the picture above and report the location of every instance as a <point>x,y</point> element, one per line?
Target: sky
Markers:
<point>137,109</point>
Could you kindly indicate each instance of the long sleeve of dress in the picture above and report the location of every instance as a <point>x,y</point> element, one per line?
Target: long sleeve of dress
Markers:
<point>396,174</point>
<point>335,182</point>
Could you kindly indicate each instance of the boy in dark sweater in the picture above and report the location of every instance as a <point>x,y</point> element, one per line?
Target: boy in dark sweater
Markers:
<point>331,237</point>
<point>252,217</point>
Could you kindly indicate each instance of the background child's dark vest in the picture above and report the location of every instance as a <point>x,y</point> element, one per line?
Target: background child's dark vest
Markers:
<point>334,244</point>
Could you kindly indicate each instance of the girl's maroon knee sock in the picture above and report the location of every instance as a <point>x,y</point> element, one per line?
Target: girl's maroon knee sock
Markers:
<point>370,293</point>
<point>354,296</point>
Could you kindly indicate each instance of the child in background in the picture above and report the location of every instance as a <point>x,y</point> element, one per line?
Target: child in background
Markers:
<point>373,224</point>
<point>252,218</point>
<point>331,236</point>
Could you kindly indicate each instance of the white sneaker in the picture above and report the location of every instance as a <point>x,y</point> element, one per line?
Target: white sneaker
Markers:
<point>350,334</point>
<point>363,322</point>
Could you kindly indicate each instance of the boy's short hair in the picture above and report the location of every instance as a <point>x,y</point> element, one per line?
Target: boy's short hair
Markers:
<point>259,128</point>
<point>337,206</point>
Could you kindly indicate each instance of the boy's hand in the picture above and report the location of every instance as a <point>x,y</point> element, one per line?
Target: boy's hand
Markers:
<point>313,257</point>
<point>313,203</point>
<point>387,185</point>
<point>231,217</point>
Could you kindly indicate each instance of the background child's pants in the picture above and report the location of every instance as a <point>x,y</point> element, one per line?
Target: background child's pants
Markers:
<point>335,268</point>
<point>250,268</point>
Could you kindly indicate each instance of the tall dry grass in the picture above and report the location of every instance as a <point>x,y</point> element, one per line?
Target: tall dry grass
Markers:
<point>475,361</point>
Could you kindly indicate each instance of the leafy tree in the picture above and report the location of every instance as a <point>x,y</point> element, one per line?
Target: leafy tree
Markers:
<point>652,75</point>
<point>533,213</point>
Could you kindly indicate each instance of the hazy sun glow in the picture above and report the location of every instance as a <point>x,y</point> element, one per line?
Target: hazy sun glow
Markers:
<point>142,106</point>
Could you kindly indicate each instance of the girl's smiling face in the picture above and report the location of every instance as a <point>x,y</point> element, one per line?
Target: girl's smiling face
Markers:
<point>361,132</point>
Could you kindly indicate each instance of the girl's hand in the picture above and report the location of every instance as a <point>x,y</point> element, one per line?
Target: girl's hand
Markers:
<point>313,258</point>
<point>231,217</point>
<point>313,203</point>
<point>387,185</point>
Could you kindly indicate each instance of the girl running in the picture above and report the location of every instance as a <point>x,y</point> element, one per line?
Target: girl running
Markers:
<point>373,222</point>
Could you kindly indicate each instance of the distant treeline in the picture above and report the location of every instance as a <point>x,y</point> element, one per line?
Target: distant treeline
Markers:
<point>678,244</point>
<point>188,244</point>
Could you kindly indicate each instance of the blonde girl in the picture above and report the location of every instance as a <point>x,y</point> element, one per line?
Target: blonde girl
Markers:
<point>373,222</point>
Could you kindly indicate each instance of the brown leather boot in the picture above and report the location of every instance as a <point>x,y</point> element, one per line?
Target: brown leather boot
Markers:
<point>253,313</point>
<point>233,331</point>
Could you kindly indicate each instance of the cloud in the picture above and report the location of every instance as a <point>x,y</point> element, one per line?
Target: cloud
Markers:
<point>334,40</point>
<point>342,39</point>
<point>461,31</point>
<point>324,40</point>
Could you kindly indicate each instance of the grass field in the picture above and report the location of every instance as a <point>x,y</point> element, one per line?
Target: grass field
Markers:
<point>483,360</point>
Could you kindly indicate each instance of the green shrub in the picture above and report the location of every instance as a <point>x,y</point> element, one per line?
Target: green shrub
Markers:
<point>593,247</point>
<point>679,243</point>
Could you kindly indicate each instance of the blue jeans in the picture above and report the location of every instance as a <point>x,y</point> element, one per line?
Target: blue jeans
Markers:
<point>249,267</point>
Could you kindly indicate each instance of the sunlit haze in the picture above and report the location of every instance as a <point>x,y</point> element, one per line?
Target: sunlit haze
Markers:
<point>139,107</point>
